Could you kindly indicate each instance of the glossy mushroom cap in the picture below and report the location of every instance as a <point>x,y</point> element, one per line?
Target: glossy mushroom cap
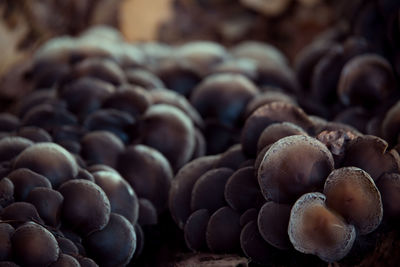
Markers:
<point>314,229</point>
<point>352,193</point>
<point>292,166</point>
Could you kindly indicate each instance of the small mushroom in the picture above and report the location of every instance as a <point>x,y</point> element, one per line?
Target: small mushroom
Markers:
<point>314,229</point>
<point>370,153</point>
<point>276,131</point>
<point>223,231</point>
<point>352,193</point>
<point>208,191</point>
<point>292,166</point>
<point>242,190</point>
<point>195,230</point>
<point>366,80</point>
<point>182,185</point>
<point>273,221</point>
<point>267,115</point>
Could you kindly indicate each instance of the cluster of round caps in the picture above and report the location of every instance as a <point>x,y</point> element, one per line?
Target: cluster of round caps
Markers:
<point>294,181</point>
<point>57,213</point>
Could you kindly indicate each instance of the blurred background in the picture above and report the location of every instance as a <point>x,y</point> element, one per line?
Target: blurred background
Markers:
<point>288,24</point>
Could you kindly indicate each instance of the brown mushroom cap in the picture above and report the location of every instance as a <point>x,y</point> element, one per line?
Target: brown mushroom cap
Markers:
<point>148,172</point>
<point>231,158</point>
<point>273,221</point>
<point>49,160</point>
<point>208,191</point>
<point>370,153</point>
<point>366,80</point>
<point>6,232</point>
<point>276,131</point>
<point>170,131</point>
<point>314,229</point>
<point>242,190</point>
<point>12,146</point>
<point>265,116</point>
<point>352,193</point>
<point>292,166</point>
<point>182,185</point>
<point>389,187</point>
<point>223,97</point>
<point>223,231</point>
<point>195,230</point>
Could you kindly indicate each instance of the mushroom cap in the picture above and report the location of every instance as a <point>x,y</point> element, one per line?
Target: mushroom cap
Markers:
<point>195,230</point>
<point>352,193</point>
<point>314,229</point>
<point>389,187</point>
<point>370,153</point>
<point>292,166</point>
<point>273,220</point>
<point>265,116</point>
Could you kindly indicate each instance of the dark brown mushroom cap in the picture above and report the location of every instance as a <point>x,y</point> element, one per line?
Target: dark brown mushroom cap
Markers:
<point>123,199</point>
<point>94,207</point>
<point>11,146</point>
<point>358,117</point>
<point>248,216</point>
<point>279,76</point>
<point>178,76</point>
<point>276,131</point>
<point>219,137</point>
<point>292,166</point>
<point>389,187</point>
<point>20,212</point>
<point>352,193</point>
<point>307,59</point>
<point>164,96</point>
<point>260,157</point>
<point>223,231</point>
<point>143,78</point>
<point>314,229</point>
<point>244,66</point>
<point>6,232</point>
<point>85,95</point>
<point>147,213</point>
<point>195,230</point>
<point>256,248</point>
<point>265,116</point>
<point>86,262</point>
<point>231,158</point>
<point>101,147</point>
<point>48,117</point>
<point>100,167</point>
<point>201,55</point>
<point>49,160</point>
<point>34,245</point>
<point>366,80</point>
<point>242,190</point>
<point>273,221</point>
<point>100,68</point>
<point>223,96</point>
<point>25,180</point>
<point>131,99</point>
<point>370,153</point>
<point>182,185</point>
<point>267,97</point>
<point>116,121</point>
<point>208,191</point>
<point>170,131</point>
<point>148,172</point>
<point>390,126</point>
<point>36,98</point>
<point>65,260</point>
<point>67,246</point>
<point>115,244</point>
<point>35,134</point>
<point>259,52</point>
<point>328,69</point>
<point>6,192</point>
